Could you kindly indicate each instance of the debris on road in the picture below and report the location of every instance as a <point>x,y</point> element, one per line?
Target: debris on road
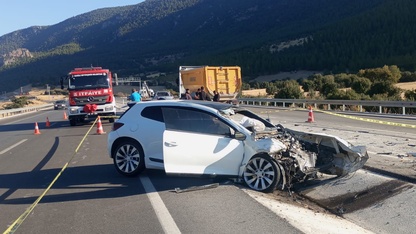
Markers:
<point>195,188</point>
<point>411,154</point>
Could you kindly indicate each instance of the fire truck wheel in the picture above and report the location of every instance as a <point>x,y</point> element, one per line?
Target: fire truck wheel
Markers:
<point>72,122</point>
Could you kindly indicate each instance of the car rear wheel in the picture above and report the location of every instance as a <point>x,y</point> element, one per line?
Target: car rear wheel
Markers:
<point>262,174</point>
<point>128,158</point>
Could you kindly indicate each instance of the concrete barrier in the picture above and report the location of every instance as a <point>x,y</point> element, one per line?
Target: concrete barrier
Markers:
<point>18,111</point>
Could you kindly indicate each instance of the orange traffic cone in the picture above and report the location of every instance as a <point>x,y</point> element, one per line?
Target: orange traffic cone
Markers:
<point>99,127</point>
<point>37,132</point>
<point>48,124</point>
<point>310,115</point>
<point>65,117</point>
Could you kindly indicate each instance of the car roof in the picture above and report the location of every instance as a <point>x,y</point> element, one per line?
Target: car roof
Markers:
<point>195,103</point>
<point>207,105</point>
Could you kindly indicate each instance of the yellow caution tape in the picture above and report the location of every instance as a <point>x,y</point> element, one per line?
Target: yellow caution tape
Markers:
<point>350,117</point>
<point>370,120</point>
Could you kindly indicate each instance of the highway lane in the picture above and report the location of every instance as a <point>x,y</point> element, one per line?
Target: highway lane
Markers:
<point>90,196</point>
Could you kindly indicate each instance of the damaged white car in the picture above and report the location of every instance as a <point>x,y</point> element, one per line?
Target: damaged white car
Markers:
<point>217,139</point>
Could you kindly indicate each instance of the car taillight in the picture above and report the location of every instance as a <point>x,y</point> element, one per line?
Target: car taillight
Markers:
<point>117,125</point>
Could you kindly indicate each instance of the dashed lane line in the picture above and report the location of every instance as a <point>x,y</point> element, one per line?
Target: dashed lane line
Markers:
<point>162,213</point>
<point>12,146</point>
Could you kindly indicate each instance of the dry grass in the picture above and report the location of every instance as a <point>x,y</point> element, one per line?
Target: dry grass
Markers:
<point>406,85</point>
<point>254,93</point>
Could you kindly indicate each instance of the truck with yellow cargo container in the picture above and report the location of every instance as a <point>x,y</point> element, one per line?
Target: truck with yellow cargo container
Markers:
<point>226,80</point>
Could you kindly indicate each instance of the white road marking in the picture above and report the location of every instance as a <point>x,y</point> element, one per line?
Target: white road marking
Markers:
<point>11,147</point>
<point>162,213</point>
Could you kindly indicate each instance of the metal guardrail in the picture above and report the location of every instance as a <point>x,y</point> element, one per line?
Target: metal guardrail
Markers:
<point>17,111</point>
<point>341,105</point>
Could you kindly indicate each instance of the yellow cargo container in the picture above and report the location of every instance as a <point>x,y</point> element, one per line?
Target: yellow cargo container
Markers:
<point>225,80</point>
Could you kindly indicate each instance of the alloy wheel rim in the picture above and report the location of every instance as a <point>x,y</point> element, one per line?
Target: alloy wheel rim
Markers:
<point>127,158</point>
<point>259,174</point>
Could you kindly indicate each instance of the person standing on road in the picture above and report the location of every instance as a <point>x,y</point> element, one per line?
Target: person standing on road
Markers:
<point>188,95</point>
<point>216,96</point>
<point>198,94</point>
<point>135,96</point>
<point>204,95</point>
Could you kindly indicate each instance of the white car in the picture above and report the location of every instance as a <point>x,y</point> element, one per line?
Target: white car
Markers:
<point>218,139</point>
<point>163,95</point>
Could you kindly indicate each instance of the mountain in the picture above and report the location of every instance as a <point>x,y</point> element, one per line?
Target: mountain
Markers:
<point>261,36</point>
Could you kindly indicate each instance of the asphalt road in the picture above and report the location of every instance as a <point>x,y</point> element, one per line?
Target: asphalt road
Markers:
<point>90,196</point>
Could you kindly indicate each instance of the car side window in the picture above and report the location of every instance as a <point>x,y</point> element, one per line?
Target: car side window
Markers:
<point>153,112</point>
<point>195,121</point>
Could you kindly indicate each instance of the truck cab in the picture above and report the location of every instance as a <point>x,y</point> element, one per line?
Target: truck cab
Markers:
<point>90,94</point>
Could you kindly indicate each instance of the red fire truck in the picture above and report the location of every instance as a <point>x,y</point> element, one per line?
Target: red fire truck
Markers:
<point>90,94</point>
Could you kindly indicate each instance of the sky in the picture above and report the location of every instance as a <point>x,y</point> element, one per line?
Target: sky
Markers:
<point>21,14</point>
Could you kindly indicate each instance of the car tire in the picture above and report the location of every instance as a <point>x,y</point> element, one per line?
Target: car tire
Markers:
<point>128,158</point>
<point>262,174</point>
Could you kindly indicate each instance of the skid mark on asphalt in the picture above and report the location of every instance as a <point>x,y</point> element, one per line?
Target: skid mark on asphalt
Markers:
<point>354,201</point>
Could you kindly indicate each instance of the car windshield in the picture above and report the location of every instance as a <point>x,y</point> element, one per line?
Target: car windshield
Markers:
<point>82,81</point>
<point>163,94</point>
<point>246,118</point>
<point>60,102</point>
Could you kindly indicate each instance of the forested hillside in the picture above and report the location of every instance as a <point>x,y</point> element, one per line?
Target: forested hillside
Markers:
<point>159,35</point>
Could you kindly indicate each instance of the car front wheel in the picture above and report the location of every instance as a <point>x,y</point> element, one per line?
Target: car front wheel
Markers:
<point>128,158</point>
<point>261,174</point>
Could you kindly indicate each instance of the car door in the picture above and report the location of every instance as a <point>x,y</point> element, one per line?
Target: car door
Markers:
<point>199,143</point>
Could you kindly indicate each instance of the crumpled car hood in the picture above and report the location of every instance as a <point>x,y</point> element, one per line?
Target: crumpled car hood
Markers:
<point>270,145</point>
<point>334,155</point>
<point>312,151</point>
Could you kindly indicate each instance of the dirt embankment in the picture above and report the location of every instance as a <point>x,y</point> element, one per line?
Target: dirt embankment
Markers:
<point>36,97</point>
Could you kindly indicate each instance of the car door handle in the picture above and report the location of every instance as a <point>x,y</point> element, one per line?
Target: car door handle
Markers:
<point>170,144</point>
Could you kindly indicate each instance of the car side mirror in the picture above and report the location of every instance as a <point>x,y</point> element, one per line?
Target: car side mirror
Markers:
<point>239,136</point>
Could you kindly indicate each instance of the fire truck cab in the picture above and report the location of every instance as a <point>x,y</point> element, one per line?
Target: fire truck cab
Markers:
<point>90,94</point>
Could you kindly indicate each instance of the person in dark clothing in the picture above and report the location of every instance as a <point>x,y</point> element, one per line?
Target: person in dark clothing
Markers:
<point>216,96</point>
<point>198,94</point>
<point>203,95</point>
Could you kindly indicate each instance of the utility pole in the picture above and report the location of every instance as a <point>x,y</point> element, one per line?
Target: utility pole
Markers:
<point>49,91</point>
